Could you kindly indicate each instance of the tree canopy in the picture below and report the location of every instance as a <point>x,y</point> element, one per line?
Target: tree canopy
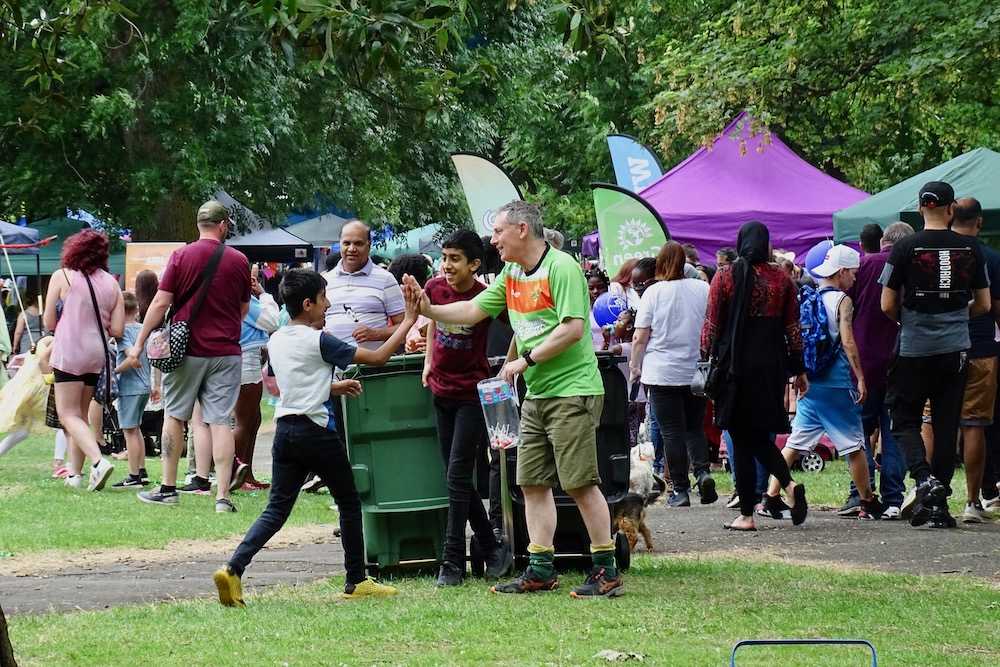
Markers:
<point>139,114</point>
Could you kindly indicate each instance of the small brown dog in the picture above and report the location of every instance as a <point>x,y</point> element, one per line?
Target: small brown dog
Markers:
<point>630,518</point>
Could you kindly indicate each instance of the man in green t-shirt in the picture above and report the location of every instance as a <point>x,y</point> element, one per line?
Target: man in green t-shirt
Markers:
<point>545,294</point>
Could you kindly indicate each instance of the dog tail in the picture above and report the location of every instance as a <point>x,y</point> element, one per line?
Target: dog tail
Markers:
<point>659,488</point>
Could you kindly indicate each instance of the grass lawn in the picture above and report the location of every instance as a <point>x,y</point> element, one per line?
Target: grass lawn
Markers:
<point>41,514</point>
<point>676,612</point>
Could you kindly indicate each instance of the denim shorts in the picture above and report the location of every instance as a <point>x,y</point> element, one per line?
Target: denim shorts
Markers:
<point>130,409</point>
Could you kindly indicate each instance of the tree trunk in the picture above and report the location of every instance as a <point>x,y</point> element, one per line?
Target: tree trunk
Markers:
<point>6,650</point>
<point>174,220</point>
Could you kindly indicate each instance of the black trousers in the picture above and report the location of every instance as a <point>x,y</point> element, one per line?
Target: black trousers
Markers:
<point>680,414</point>
<point>462,434</point>
<point>300,445</point>
<point>912,381</point>
<point>991,472</point>
<point>749,446</point>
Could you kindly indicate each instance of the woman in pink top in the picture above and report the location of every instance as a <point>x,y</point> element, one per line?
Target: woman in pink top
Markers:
<point>78,352</point>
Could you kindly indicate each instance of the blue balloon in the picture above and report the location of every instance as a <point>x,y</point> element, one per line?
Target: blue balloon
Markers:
<point>816,255</point>
<point>607,308</point>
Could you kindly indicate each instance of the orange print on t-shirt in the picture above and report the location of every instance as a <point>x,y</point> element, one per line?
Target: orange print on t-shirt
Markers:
<point>529,297</point>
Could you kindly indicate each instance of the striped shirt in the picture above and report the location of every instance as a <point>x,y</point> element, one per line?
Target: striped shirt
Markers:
<point>366,298</point>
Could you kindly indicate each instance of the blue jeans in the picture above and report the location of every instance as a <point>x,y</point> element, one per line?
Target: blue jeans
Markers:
<point>657,438</point>
<point>462,435</point>
<point>892,484</point>
<point>300,445</point>
<point>760,485</point>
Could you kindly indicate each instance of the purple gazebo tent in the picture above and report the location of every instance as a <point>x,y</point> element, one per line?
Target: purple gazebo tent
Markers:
<point>705,199</point>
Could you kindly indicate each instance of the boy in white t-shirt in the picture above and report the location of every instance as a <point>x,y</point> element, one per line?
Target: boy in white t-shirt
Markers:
<point>303,357</point>
<point>833,404</point>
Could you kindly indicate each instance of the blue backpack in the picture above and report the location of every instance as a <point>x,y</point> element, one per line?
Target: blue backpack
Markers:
<point>818,347</point>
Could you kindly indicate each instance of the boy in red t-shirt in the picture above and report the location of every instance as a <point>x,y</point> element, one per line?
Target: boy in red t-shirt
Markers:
<point>454,363</point>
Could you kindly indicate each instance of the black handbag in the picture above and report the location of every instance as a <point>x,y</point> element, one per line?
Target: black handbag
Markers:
<point>704,372</point>
<point>167,345</point>
<point>107,386</point>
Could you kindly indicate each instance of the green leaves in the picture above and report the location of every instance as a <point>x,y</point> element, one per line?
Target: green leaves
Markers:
<point>872,92</point>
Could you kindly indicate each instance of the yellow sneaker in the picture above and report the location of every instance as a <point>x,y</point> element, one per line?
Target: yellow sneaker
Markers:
<point>367,588</point>
<point>230,586</point>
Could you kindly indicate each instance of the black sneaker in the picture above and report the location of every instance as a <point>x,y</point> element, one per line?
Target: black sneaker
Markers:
<point>800,509</point>
<point>929,493</point>
<point>679,499</point>
<point>871,510</point>
<point>449,575</point>
<point>170,498</point>
<point>600,583</point>
<point>240,472</point>
<point>706,488</point>
<point>498,562</point>
<point>734,501</point>
<point>130,482</point>
<point>773,507</point>
<point>529,582</point>
<point>197,485</point>
<point>941,518</point>
<point>313,484</point>
<point>851,508</point>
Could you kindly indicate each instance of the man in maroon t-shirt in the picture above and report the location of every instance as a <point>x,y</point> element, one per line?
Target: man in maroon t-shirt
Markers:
<point>210,373</point>
<point>455,362</point>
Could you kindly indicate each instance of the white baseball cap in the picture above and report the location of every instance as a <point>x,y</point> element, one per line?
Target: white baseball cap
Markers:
<point>838,257</point>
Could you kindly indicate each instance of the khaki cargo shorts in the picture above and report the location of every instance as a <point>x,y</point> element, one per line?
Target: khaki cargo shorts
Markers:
<point>559,442</point>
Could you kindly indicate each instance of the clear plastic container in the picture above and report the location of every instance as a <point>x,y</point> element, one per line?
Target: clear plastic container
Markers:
<point>503,423</point>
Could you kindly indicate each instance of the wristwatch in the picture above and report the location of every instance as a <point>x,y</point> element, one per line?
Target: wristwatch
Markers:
<point>527,358</point>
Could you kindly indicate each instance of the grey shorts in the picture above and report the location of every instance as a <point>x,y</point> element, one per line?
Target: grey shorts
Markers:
<point>130,409</point>
<point>215,381</point>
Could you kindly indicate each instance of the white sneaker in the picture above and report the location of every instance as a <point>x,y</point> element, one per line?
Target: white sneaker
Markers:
<point>99,475</point>
<point>993,504</point>
<point>75,481</point>
<point>974,513</point>
<point>891,513</point>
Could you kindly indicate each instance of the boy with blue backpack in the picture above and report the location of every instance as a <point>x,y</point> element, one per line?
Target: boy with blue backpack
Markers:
<point>833,404</point>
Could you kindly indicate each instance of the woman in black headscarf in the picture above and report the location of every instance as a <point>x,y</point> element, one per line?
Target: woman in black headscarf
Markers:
<point>752,329</point>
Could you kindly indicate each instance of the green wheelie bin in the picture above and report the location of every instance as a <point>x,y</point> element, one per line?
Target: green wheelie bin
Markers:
<point>391,437</point>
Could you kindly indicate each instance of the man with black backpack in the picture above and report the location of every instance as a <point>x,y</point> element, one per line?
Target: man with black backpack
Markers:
<point>210,371</point>
<point>926,285</point>
<point>833,404</point>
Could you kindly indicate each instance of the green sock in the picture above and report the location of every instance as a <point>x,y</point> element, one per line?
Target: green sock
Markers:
<point>604,557</point>
<point>542,560</point>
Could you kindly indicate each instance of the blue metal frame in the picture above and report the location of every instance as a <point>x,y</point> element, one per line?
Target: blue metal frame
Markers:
<point>794,642</point>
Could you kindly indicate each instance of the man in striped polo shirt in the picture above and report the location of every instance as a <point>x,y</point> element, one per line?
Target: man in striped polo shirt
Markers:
<point>366,304</point>
<point>545,294</point>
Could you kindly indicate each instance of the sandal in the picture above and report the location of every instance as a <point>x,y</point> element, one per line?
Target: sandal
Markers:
<point>730,526</point>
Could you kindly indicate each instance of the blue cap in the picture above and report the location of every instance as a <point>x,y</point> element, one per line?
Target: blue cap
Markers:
<point>816,256</point>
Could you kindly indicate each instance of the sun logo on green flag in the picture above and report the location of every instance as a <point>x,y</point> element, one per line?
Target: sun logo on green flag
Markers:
<point>633,232</point>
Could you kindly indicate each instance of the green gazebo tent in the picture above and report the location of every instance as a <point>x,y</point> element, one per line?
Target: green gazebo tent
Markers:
<point>973,174</point>
<point>421,240</point>
<point>49,256</point>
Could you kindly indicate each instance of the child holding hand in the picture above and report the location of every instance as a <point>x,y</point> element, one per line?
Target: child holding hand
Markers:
<point>622,331</point>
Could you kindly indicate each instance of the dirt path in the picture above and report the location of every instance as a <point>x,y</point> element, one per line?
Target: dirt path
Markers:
<point>112,577</point>
<point>121,576</point>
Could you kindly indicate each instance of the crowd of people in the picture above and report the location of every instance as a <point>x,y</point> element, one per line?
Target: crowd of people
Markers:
<point>900,359</point>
